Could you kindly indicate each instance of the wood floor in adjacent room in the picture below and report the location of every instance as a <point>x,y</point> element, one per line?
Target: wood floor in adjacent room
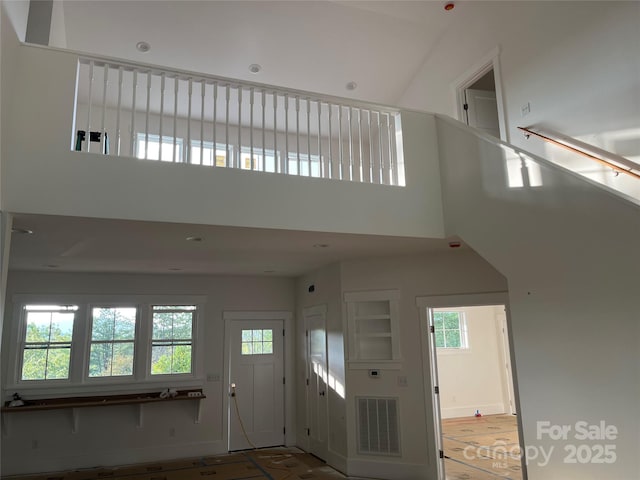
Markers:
<point>482,448</point>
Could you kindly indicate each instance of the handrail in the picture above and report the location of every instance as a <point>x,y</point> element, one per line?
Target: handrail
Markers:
<point>617,158</point>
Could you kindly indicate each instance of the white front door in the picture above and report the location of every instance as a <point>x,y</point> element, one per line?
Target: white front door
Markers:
<point>317,376</point>
<point>482,111</point>
<point>256,384</point>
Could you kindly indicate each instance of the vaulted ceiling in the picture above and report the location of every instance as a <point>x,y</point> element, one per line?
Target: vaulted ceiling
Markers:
<point>317,46</point>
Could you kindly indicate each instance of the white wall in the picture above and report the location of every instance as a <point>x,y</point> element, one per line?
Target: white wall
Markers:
<point>441,273</point>
<point>575,63</point>
<point>17,12</point>
<point>46,178</point>
<point>472,379</point>
<point>567,249</point>
<point>109,436</point>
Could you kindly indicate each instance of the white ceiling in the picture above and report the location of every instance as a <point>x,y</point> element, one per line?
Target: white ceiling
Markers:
<point>318,46</point>
<point>96,245</point>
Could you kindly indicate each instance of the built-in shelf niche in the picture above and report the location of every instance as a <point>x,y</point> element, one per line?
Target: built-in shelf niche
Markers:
<point>372,318</point>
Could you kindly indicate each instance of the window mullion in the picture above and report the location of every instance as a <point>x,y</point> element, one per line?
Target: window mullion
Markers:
<point>79,370</point>
<point>142,347</point>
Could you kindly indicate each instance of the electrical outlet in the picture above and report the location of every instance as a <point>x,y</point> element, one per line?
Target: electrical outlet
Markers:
<point>402,381</point>
<point>526,109</point>
<point>35,445</point>
<point>172,432</point>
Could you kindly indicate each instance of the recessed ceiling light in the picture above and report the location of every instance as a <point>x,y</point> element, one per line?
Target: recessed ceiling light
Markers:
<point>22,231</point>
<point>269,271</point>
<point>143,47</point>
<point>321,245</point>
<point>449,6</point>
<point>352,86</point>
<point>175,269</point>
<point>51,265</point>
<point>255,68</point>
<point>194,239</point>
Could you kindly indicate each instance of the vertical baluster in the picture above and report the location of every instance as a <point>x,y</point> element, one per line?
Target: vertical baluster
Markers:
<point>371,162</point>
<point>396,160</point>
<point>309,134</point>
<point>264,151</point>
<point>360,162</point>
<point>146,124</point>
<point>88,129</point>
<point>329,136</point>
<point>299,172</point>
<point>380,147</point>
<point>393,179</point>
<point>203,91</point>
<point>239,155</point>
<point>286,133</point>
<point>215,117</point>
<point>160,132</point>
<point>227,156</point>
<point>251,93</point>
<point>133,113</point>
<point>176,87</point>
<point>341,156</point>
<point>186,151</point>
<point>105,83</point>
<point>118,111</point>
<point>320,161</point>
<point>350,137</point>
<point>277,165</point>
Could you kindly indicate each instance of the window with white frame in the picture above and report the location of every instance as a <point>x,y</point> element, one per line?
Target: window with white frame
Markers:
<point>450,328</point>
<point>149,147</point>
<point>113,334</point>
<point>259,162</point>
<point>172,339</point>
<point>309,164</point>
<point>47,340</point>
<point>89,344</point>
<point>205,155</point>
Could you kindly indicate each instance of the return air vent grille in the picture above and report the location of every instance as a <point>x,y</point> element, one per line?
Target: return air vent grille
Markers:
<point>378,428</point>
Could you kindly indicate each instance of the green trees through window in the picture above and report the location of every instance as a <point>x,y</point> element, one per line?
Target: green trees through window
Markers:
<point>450,331</point>
<point>171,350</point>
<point>113,331</point>
<point>115,337</point>
<point>48,337</point>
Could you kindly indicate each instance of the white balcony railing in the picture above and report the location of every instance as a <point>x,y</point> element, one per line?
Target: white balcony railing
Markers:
<point>170,116</point>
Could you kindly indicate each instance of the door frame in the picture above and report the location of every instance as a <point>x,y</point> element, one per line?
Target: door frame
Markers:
<point>491,61</point>
<point>430,367</point>
<point>289,386</point>
<point>309,311</point>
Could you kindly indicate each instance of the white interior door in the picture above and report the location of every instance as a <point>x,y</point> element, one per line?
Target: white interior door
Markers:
<point>256,383</point>
<point>317,375</point>
<point>482,111</point>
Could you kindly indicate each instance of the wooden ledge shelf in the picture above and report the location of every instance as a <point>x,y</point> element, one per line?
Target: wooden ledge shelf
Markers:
<point>75,403</point>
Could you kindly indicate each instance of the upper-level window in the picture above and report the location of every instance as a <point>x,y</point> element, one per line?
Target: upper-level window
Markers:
<point>172,339</point>
<point>48,334</point>
<point>113,333</point>
<point>309,164</point>
<point>450,330</point>
<point>149,147</point>
<point>207,156</point>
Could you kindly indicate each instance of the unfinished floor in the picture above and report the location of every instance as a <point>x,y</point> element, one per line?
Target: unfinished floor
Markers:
<point>482,448</point>
<point>271,464</point>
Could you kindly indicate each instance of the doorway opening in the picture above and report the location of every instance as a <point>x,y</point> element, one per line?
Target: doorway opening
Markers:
<point>479,97</point>
<point>474,401</point>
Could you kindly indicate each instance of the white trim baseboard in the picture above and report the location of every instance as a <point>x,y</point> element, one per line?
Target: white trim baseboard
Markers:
<point>358,467</point>
<point>470,410</point>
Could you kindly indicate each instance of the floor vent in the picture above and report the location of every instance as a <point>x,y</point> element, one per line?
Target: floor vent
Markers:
<point>378,427</point>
